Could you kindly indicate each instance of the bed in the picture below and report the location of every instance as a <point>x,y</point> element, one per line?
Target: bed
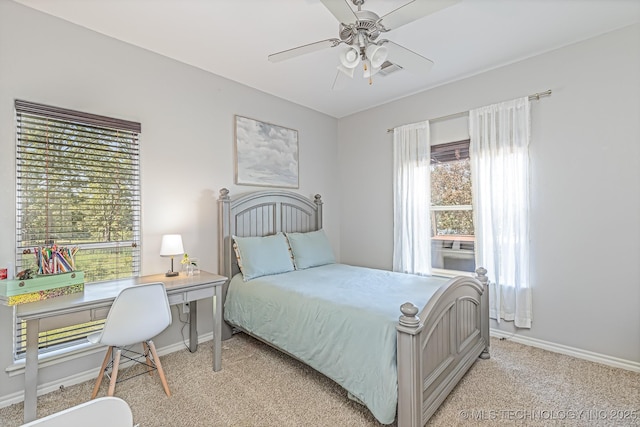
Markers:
<point>352,324</point>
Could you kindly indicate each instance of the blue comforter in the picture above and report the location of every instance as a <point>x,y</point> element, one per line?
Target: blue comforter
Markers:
<point>339,319</point>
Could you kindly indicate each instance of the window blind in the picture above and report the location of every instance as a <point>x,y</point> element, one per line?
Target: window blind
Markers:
<point>77,185</point>
<point>450,151</point>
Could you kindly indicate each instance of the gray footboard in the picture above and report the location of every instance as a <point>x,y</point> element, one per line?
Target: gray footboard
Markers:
<point>437,345</point>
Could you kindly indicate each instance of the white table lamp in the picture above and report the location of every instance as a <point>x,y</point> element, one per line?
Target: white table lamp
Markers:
<point>171,246</point>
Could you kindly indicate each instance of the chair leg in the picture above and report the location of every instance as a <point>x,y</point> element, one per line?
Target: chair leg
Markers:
<point>101,374</point>
<point>156,359</point>
<point>146,354</point>
<point>114,373</point>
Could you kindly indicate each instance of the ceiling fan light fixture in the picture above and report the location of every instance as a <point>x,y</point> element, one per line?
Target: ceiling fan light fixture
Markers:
<point>350,57</point>
<point>377,55</point>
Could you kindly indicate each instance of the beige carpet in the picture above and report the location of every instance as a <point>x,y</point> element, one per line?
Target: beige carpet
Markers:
<point>259,386</point>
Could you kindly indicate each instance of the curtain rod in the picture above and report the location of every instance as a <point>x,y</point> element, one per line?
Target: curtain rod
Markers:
<point>535,96</point>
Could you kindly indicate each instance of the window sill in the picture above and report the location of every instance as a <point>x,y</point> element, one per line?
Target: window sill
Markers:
<point>55,357</point>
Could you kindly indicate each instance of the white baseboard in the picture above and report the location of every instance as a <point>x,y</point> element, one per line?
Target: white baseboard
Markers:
<point>91,374</point>
<point>569,351</point>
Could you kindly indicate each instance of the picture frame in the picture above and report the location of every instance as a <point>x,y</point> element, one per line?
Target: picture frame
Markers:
<point>266,154</point>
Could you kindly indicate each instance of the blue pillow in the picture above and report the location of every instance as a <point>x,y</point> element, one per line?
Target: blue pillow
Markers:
<point>262,256</point>
<point>310,249</point>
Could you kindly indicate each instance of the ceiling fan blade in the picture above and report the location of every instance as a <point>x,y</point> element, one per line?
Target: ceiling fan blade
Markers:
<point>343,76</point>
<point>408,59</point>
<point>341,10</point>
<point>413,10</point>
<point>302,50</point>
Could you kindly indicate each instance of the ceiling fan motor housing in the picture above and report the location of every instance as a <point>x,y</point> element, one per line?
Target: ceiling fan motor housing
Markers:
<point>367,25</point>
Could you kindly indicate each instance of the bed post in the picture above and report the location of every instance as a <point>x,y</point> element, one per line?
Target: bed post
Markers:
<point>224,258</point>
<point>409,378</point>
<point>318,201</point>
<point>481,275</point>
<point>224,254</point>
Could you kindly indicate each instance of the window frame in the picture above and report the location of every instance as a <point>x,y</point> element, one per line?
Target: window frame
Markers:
<point>443,152</point>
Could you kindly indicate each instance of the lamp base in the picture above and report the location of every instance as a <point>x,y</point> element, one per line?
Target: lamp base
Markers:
<point>171,273</point>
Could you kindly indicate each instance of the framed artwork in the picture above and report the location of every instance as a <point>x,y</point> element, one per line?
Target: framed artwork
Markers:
<point>266,154</point>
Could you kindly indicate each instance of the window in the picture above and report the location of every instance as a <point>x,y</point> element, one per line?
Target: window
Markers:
<point>78,185</point>
<point>452,233</point>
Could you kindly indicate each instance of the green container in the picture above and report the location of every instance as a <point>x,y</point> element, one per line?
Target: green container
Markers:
<point>41,287</point>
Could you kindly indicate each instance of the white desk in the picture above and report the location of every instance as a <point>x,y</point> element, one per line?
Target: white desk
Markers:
<point>99,297</point>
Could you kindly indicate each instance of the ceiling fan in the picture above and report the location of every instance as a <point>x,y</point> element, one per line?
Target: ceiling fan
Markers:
<point>359,31</point>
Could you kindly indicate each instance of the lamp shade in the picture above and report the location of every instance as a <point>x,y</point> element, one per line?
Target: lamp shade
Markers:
<point>171,245</point>
<point>350,57</point>
<point>377,55</point>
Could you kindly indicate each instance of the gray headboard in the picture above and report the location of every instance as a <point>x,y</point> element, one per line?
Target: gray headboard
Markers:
<point>261,213</point>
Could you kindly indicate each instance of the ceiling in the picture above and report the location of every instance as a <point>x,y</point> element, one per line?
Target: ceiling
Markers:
<point>232,38</point>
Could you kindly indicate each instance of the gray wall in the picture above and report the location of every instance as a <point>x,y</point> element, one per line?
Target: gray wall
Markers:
<point>187,118</point>
<point>585,185</point>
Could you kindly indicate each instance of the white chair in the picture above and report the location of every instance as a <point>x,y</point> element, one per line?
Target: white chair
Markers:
<point>138,314</point>
<point>102,412</point>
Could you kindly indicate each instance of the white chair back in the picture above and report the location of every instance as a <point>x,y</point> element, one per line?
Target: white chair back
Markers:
<point>101,412</point>
<point>138,313</point>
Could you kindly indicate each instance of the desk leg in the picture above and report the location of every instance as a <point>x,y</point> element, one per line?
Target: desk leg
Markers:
<point>31,371</point>
<point>193,326</point>
<point>217,329</point>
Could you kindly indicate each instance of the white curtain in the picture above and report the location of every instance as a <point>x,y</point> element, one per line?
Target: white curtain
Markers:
<point>500,181</point>
<point>411,199</point>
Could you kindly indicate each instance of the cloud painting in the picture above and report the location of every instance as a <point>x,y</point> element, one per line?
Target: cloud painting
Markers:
<point>266,154</point>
